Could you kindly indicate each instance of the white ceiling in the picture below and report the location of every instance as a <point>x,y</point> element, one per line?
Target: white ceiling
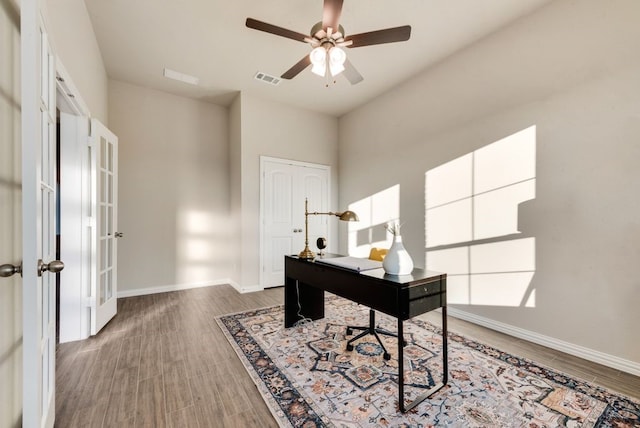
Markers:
<point>208,39</point>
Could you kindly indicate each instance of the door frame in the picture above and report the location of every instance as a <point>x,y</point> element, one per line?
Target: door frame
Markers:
<point>263,161</point>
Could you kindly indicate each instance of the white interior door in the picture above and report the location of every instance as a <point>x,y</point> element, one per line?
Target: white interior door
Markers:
<point>283,231</point>
<point>104,210</point>
<point>314,187</point>
<point>38,227</point>
<point>285,185</point>
<point>10,222</point>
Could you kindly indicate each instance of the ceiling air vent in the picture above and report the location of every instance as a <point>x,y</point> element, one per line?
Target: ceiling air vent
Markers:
<point>181,77</point>
<point>267,78</point>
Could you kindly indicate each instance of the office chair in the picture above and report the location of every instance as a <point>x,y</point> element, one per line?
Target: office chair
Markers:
<point>374,254</point>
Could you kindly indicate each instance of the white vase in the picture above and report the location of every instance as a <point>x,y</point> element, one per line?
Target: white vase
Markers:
<point>397,261</point>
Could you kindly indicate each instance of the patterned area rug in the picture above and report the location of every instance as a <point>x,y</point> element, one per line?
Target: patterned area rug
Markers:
<point>308,379</point>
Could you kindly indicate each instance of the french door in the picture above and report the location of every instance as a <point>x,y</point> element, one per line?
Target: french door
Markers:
<point>10,222</point>
<point>103,155</point>
<point>285,186</point>
<point>38,219</point>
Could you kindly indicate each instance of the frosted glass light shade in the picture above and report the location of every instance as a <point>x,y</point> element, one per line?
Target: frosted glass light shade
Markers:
<point>320,70</point>
<point>336,69</point>
<point>337,57</point>
<point>318,58</point>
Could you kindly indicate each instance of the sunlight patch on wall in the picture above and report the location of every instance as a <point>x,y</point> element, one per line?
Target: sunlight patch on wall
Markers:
<point>471,223</point>
<point>198,222</point>
<point>200,246</point>
<point>374,212</point>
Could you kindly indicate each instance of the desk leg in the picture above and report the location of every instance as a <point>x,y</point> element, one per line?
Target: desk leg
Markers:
<point>445,369</point>
<point>311,302</point>
<point>290,302</point>
<point>401,367</point>
<point>445,347</point>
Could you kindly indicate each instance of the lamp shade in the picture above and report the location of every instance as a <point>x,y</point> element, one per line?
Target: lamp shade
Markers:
<point>348,216</point>
<point>320,70</point>
<point>337,57</point>
<point>318,57</point>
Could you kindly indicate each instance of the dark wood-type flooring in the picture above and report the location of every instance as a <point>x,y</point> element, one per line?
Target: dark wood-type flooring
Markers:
<point>164,362</point>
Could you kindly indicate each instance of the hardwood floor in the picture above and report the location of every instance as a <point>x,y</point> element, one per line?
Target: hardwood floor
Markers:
<point>164,362</point>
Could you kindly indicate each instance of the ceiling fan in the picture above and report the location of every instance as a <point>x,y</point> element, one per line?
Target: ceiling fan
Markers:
<point>327,38</point>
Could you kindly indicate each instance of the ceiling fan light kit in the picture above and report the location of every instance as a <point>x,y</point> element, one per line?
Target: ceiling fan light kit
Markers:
<point>327,54</point>
<point>336,56</point>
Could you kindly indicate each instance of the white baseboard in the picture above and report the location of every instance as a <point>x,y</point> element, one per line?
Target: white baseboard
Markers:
<point>608,360</point>
<point>246,288</point>
<point>167,288</point>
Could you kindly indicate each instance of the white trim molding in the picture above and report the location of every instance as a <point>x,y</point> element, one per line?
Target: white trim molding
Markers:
<point>246,288</point>
<point>608,360</point>
<point>177,287</point>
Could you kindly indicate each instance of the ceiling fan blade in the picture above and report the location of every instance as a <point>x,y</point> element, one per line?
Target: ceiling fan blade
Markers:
<point>297,68</point>
<point>331,14</point>
<point>273,29</point>
<point>351,73</point>
<point>389,35</point>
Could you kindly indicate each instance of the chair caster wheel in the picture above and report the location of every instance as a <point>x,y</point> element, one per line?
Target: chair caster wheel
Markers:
<point>349,347</point>
<point>386,356</point>
<point>404,343</point>
<point>349,332</point>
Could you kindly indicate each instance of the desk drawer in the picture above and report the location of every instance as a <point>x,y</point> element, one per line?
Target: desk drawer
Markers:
<point>426,304</point>
<point>422,290</point>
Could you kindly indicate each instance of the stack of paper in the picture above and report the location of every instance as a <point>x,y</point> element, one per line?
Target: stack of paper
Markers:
<point>352,263</point>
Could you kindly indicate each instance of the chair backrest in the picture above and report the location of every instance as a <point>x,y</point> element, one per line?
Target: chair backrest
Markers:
<point>377,253</point>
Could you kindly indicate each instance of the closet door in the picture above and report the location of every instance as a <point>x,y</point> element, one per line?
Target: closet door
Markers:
<point>285,186</point>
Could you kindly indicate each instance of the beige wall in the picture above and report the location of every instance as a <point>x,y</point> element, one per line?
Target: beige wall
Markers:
<point>276,130</point>
<point>572,71</point>
<point>189,190</point>
<point>75,45</point>
<point>10,217</point>
<point>173,188</point>
<point>235,184</point>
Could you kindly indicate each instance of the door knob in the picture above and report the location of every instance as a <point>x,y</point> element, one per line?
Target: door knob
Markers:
<point>54,266</point>
<point>8,269</point>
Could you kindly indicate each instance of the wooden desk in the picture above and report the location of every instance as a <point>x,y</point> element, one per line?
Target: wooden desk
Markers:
<point>402,297</point>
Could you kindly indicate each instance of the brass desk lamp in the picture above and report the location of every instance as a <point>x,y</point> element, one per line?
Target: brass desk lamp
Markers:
<point>344,216</point>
